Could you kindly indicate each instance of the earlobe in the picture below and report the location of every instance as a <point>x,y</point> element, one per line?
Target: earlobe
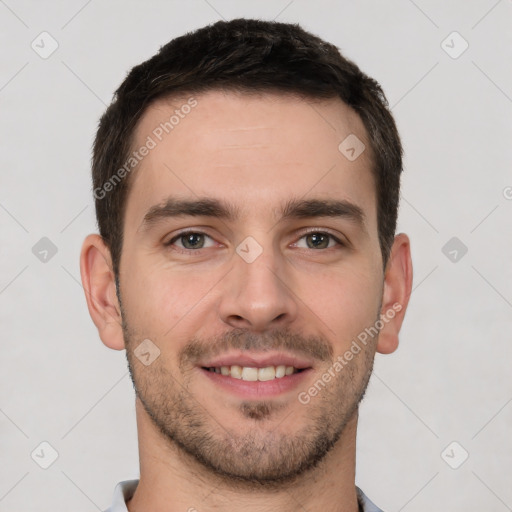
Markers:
<point>396,293</point>
<point>99,286</point>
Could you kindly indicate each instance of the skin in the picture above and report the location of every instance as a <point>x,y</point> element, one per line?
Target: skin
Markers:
<point>201,446</point>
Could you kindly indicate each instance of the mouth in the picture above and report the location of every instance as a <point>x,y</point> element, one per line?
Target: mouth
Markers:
<point>253,374</point>
<point>257,376</point>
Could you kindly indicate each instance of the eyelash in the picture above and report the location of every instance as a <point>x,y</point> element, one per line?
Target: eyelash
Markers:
<point>196,232</point>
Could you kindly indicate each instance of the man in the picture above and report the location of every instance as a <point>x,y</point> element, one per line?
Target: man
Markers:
<point>246,182</point>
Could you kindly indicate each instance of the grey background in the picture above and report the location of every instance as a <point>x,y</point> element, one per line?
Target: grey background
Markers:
<point>450,379</point>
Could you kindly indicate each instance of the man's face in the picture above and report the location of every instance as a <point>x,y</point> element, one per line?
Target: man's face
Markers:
<point>257,289</point>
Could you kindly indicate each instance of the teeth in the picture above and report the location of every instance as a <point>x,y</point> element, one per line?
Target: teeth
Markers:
<point>236,371</point>
<point>280,371</point>
<point>267,373</point>
<point>252,374</point>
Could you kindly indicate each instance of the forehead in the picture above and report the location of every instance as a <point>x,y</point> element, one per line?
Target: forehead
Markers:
<point>253,149</point>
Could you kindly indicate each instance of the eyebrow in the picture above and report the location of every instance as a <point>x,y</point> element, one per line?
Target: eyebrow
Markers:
<point>292,209</point>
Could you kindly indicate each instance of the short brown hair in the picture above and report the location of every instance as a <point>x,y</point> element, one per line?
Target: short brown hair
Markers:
<point>250,56</point>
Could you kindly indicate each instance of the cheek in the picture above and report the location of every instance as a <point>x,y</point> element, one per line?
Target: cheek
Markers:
<point>346,302</point>
<point>161,301</point>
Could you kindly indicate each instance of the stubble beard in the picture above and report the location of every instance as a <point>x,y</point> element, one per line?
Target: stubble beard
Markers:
<point>259,455</point>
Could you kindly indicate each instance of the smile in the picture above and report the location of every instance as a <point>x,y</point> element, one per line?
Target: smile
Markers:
<point>253,374</point>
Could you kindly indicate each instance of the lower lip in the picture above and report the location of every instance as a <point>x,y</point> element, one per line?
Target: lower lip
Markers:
<point>258,389</point>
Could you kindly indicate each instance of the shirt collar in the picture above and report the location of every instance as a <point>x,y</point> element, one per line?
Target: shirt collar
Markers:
<point>126,489</point>
<point>122,493</point>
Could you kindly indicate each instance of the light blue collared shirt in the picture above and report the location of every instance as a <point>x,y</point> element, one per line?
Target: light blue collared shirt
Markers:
<point>125,490</point>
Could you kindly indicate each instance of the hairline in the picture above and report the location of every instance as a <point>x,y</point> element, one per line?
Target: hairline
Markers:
<point>182,93</point>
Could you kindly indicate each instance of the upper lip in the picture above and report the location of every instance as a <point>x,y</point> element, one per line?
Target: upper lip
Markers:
<point>256,360</point>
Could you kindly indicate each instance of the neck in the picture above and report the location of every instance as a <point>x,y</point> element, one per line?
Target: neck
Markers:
<point>172,481</point>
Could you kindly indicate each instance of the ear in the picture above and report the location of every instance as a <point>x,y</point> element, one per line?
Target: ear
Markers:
<point>100,291</point>
<point>396,293</point>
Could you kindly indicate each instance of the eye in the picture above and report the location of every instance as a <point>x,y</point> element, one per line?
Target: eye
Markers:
<point>320,240</point>
<point>190,240</point>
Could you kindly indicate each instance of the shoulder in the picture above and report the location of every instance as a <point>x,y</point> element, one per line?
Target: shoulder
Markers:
<point>365,503</point>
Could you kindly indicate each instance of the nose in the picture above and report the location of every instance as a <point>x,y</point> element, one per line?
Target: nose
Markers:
<point>257,295</point>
